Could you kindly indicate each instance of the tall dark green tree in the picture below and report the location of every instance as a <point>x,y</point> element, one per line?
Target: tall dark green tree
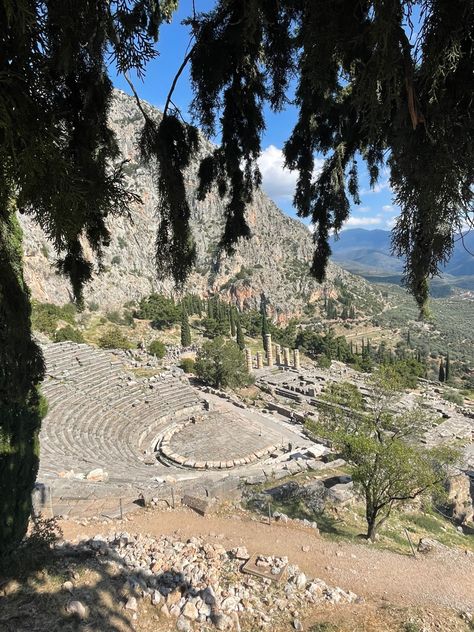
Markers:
<point>232,317</point>
<point>185,329</point>
<point>441,372</point>
<point>239,334</point>
<point>366,89</point>
<point>265,326</point>
<point>21,406</point>
<point>447,368</point>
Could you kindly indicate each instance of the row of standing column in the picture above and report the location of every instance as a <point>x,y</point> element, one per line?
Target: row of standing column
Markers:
<point>282,359</point>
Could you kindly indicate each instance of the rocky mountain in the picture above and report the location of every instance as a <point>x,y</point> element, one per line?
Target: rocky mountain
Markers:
<point>274,261</point>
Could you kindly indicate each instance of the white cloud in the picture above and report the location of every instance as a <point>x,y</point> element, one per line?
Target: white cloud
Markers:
<point>362,222</point>
<point>278,181</point>
<point>377,188</point>
<point>388,208</point>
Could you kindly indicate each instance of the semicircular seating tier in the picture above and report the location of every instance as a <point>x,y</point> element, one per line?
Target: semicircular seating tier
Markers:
<point>99,416</point>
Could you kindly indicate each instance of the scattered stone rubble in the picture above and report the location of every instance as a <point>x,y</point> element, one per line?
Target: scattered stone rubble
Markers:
<point>200,585</point>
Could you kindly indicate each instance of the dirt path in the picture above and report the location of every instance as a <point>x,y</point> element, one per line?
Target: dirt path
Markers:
<point>443,579</point>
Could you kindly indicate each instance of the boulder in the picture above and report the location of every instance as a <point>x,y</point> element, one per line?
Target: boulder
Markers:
<point>190,611</point>
<point>97,475</point>
<point>78,609</point>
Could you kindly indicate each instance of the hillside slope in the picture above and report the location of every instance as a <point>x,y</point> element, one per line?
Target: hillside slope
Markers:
<point>274,261</point>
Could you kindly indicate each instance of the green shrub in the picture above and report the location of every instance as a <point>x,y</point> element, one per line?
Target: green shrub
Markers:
<point>454,396</point>
<point>323,361</point>
<point>116,260</point>
<point>114,317</point>
<point>93,306</point>
<point>157,348</point>
<point>45,316</point>
<point>68,333</point>
<point>114,339</point>
<point>187,364</point>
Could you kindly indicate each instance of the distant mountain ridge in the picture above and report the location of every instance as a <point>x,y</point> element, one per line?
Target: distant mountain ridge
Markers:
<point>367,252</point>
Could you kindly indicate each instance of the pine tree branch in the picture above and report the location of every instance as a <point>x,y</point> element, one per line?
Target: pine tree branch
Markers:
<point>175,80</point>
<point>135,94</point>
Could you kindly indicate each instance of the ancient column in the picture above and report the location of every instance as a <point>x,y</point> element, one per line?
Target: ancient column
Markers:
<point>278,354</point>
<point>269,348</point>
<point>286,356</point>
<point>296,358</point>
<point>248,360</point>
<point>259,360</point>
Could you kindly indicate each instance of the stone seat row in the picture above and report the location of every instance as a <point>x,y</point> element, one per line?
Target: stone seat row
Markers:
<point>96,419</point>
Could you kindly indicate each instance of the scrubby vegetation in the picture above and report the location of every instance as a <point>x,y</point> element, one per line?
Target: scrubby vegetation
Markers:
<point>68,333</point>
<point>45,317</point>
<point>157,348</point>
<point>114,338</point>
<point>188,365</point>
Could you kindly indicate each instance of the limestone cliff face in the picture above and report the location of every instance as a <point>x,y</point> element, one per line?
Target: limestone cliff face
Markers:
<point>274,261</point>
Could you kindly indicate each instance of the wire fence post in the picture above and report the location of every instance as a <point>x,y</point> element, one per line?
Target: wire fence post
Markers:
<point>411,544</point>
<point>172,496</point>
<point>269,513</point>
<point>121,509</point>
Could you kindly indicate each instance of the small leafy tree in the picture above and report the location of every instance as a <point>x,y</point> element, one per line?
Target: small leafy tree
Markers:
<point>389,465</point>
<point>113,338</point>
<point>157,348</point>
<point>221,363</point>
<point>160,309</point>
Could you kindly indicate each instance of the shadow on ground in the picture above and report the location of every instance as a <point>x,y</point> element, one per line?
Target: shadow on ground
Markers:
<point>38,588</point>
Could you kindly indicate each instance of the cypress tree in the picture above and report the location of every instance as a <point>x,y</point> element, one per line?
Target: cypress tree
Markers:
<point>441,374</point>
<point>265,327</point>
<point>232,322</point>
<point>21,406</point>
<point>447,368</point>
<point>210,308</point>
<point>239,334</point>
<point>185,329</point>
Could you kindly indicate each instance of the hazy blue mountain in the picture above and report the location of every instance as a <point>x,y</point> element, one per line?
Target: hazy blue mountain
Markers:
<point>367,252</point>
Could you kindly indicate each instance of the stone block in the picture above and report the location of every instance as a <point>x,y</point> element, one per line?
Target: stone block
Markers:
<point>200,505</point>
<point>317,450</point>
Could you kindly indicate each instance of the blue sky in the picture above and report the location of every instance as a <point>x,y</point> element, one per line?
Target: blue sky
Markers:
<point>376,209</point>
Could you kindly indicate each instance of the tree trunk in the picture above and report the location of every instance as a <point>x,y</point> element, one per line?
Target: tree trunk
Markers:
<point>371,529</point>
<point>371,517</point>
<point>21,370</point>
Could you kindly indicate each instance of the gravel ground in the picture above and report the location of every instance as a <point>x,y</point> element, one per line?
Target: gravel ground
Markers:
<point>444,578</point>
